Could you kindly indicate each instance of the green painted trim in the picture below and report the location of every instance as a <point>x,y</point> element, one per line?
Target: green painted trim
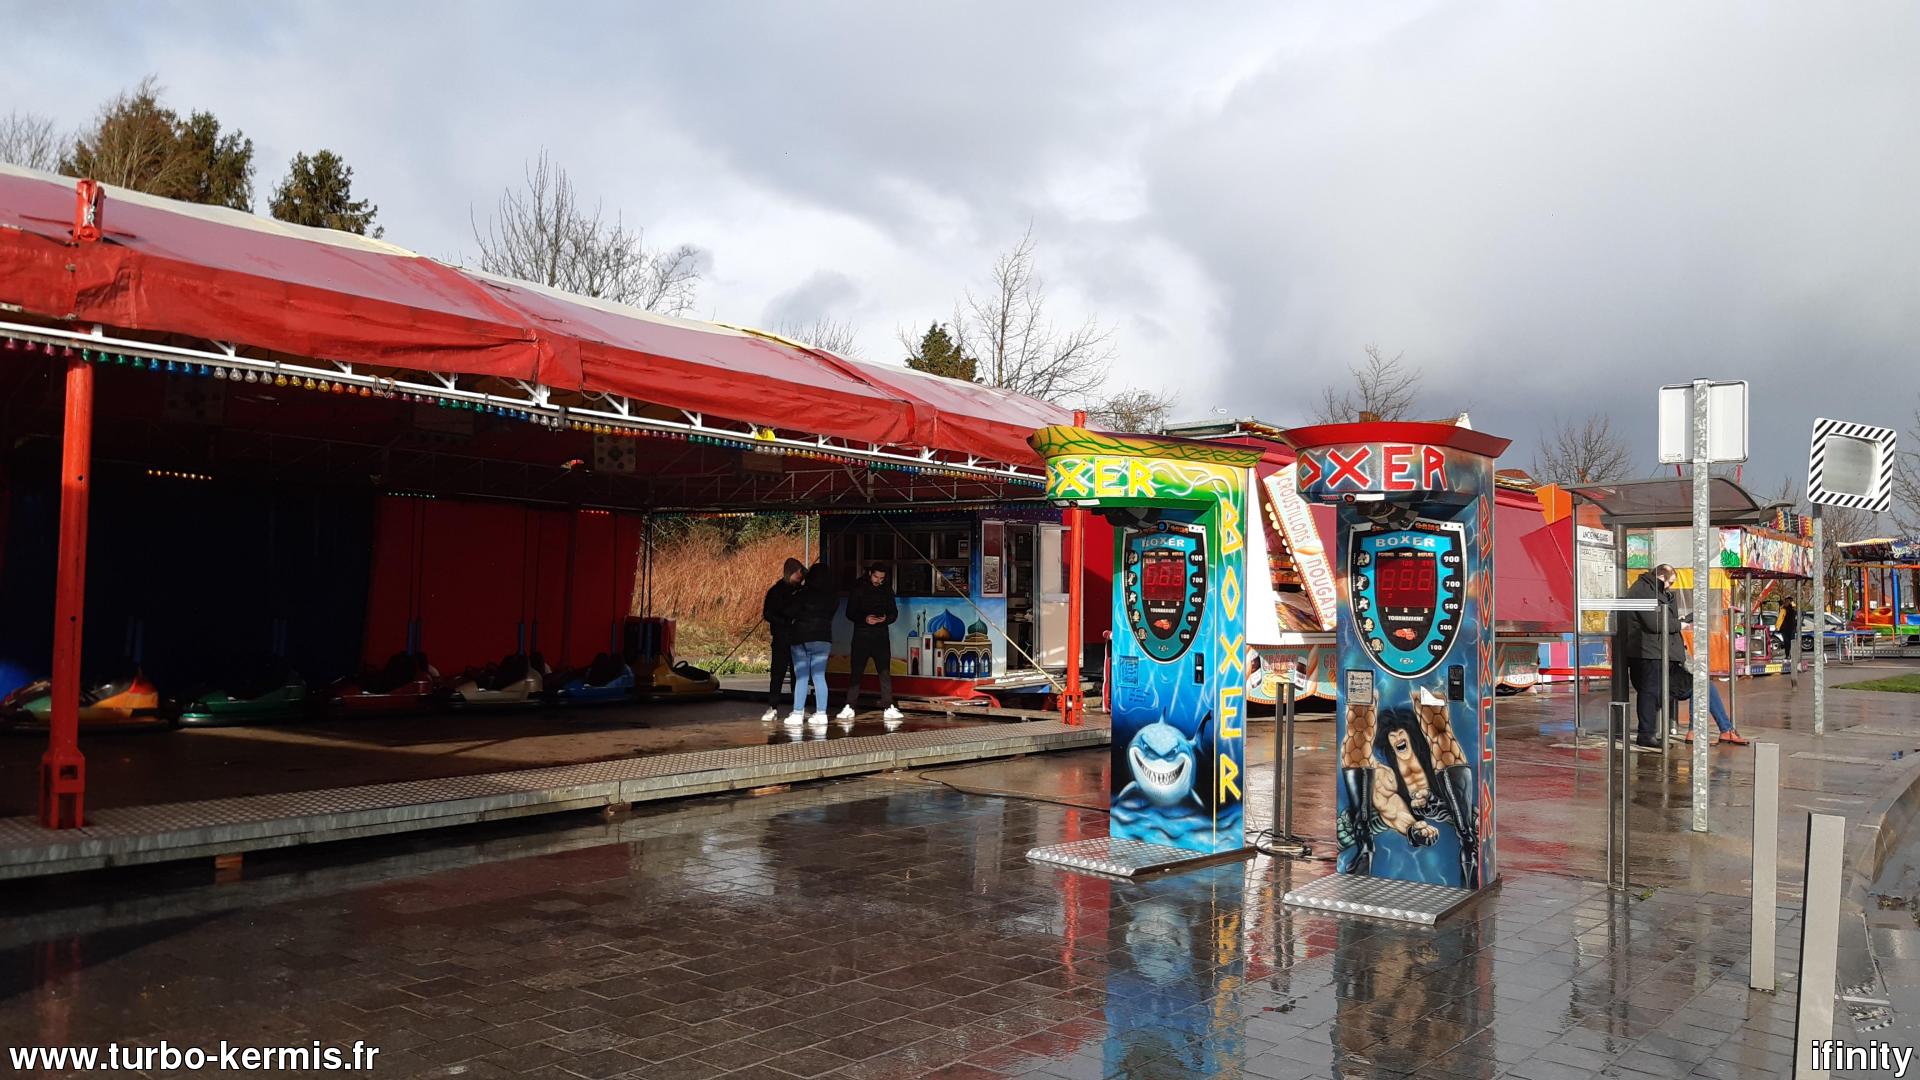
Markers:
<point>1064,440</point>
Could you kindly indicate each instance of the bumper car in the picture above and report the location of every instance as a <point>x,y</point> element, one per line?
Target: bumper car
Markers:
<point>669,679</point>
<point>606,679</point>
<point>257,690</point>
<point>407,682</point>
<point>516,680</point>
<point>128,703</point>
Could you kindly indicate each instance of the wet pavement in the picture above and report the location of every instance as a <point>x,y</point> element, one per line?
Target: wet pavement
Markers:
<point>892,927</point>
<point>144,768</point>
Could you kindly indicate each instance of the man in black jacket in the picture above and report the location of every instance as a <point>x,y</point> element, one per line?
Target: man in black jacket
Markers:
<point>1644,631</point>
<point>776,609</point>
<point>872,610</point>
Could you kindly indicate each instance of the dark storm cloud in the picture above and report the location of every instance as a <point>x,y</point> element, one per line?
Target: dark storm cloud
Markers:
<point>1551,209</point>
<point>823,294</point>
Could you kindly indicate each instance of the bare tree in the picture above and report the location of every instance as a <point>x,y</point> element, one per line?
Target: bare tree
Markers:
<point>1133,409</point>
<point>1581,453</point>
<point>29,140</point>
<point>1382,387</point>
<point>833,335</point>
<point>1005,329</point>
<point>542,233</point>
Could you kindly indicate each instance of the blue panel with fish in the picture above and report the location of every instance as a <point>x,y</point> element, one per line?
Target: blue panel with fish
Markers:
<point>1178,689</point>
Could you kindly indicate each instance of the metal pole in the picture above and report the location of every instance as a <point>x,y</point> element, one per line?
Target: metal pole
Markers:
<point>1737,632</point>
<point>1626,753</point>
<point>1819,623</point>
<point>1287,829</point>
<point>1819,940</point>
<point>63,771</point>
<point>1613,808</point>
<point>1766,858</point>
<point>1573,530</point>
<point>1702,617</point>
<point>1666,691</point>
<point>1075,519</point>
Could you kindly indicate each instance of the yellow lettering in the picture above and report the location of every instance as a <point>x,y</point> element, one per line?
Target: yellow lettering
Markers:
<point>1230,539</point>
<point>1232,660</point>
<point>1228,773</point>
<point>1229,720</point>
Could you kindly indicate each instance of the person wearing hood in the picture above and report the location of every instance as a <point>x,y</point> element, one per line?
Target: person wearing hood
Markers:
<point>809,614</point>
<point>872,611</point>
<point>1653,638</point>
<point>774,610</point>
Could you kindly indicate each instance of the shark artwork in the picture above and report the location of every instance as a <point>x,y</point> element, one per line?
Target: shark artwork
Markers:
<point>1164,763</point>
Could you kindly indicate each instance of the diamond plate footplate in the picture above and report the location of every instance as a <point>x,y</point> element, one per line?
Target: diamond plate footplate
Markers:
<point>1125,858</point>
<point>1380,898</point>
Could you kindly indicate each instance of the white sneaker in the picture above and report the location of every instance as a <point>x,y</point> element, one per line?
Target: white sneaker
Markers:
<point>795,719</point>
<point>818,718</point>
<point>892,713</point>
<point>770,716</point>
<point>845,713</point>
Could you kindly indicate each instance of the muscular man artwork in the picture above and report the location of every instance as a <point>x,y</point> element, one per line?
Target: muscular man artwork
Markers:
<point>1405,773</point>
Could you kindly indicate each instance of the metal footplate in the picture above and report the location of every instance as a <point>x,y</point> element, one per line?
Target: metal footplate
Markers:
<point>1380,898</point>
<point>1127,858</point>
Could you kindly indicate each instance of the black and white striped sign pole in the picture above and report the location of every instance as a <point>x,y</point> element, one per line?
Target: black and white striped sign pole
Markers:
<point>1848,465</point>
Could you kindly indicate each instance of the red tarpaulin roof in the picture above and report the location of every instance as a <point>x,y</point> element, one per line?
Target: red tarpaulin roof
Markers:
<point>166,267</point>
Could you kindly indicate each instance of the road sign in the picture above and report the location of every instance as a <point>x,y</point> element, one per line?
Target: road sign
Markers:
<point>1851,465</point>
<point>1726,422</point>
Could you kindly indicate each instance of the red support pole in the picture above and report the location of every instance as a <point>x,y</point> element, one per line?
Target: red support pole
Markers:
<point>1072,708</point>
<point>63,772</point>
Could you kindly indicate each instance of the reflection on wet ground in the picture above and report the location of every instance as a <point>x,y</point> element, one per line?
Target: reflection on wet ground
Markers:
<point>332,750</point>
<point>877,929</point>
<point>892,927</point>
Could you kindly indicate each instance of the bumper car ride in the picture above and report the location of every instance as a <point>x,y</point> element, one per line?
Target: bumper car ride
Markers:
<point>515,681</point>
<point>129,703</point>
<point>405,684</point>
<point>606,679</point>
<point>675,680</point>
<point>278,693</point>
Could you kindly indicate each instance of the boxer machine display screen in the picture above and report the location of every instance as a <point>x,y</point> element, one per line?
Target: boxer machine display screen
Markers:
<point>1166,587</point>
<point>1406,589</point>
<point>1406,581</point>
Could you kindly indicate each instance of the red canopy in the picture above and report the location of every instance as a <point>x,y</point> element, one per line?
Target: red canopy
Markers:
<point>166,267</point>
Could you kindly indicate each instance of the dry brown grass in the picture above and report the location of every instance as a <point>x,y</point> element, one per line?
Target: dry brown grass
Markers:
<point>714,595</point>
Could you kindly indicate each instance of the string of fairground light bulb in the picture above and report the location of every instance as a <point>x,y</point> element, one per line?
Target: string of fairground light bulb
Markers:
<point>760,441</point>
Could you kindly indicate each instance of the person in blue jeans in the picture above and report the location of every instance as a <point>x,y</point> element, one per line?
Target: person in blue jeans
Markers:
<point>809,612</point>
<point>1682,680</point>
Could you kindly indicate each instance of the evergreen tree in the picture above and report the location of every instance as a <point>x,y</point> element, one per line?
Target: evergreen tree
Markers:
<point>318,191</point>
<point>139,143</point>
<point>938,354</point>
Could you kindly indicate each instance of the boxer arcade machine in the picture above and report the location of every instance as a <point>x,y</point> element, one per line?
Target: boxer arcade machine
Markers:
<point>1415,738</point>
<point>1179,643</point>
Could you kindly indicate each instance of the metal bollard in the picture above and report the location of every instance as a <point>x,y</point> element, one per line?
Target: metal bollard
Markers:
<point>1766,863</point>
<point>1819,941</point>
<point>1288,747</point>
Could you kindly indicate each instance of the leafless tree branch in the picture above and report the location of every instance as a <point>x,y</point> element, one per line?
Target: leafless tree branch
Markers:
<point>1005,328</point>
<point>540,232</point>
<point>833,335</point>
<point>1583,452</point>
<point>1382,387</point>
<point>29,140</point>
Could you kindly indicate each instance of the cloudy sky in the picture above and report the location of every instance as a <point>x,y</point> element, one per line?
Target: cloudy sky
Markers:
<point>1550,210</point>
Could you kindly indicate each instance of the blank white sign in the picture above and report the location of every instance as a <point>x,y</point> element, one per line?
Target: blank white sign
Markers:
<point>1726,422</point>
